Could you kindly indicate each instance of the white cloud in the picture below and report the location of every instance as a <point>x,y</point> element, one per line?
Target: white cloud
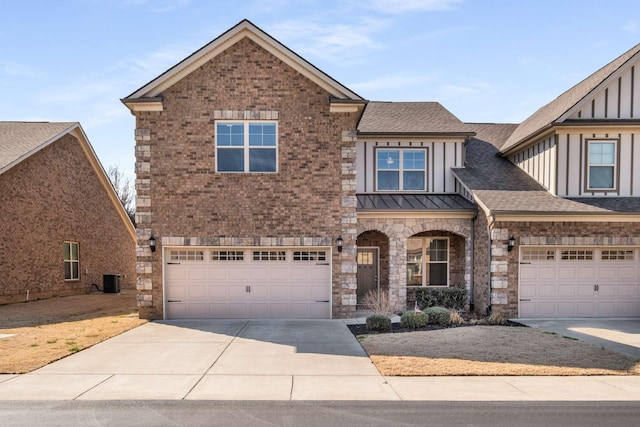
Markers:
<point>155,63</point>
<point>157,6</point>
<point>630,27</point>
<point>16,69</point>
<point>391,81</point>
<point>397,7</point>
<point>331,42</point>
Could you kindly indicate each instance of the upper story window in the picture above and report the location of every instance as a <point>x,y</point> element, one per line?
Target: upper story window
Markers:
<point>71,261</point>
<point>245,146</point>
<point>601,167</point>
<point>401,169</point>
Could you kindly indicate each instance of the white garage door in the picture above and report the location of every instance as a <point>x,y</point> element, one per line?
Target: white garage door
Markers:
<point>247,283</point>
<point>579,282</point>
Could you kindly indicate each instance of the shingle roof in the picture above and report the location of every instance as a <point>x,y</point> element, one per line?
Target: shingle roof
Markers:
<point>413,202</point>
<point>502,187</point>
<point>19,139</point>
<point>409,117</point>
<point>551,112</point>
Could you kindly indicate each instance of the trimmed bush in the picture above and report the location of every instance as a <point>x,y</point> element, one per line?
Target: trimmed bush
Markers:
<point>413,320</point>
<point>455,298</point>
<point>438,316</point>
<point>379,322</point>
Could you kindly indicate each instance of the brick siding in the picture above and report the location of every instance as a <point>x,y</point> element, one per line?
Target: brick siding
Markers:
<point>180,195</point>
<point>51,197</point>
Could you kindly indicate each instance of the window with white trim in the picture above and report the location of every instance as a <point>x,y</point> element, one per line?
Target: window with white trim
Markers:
<point>246,146</point>
<point>227,255</point>
<point>71,261</point>
<point>617,255</point>
<point>538,255</point>
<point>269,256</point>
<point>601,168</point>
<point>577,255</point>
<point>401,169</point>
<point>427,261</point>
<point>186,255</point>
<point>309,256</point>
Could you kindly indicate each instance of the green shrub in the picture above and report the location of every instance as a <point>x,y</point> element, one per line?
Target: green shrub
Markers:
<point>379,322</point>
<point>413,320</point>
<point>438,316</point>
<point>455,298</point>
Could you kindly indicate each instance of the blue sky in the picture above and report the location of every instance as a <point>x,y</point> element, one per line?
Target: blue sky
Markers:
<point>484,60</point>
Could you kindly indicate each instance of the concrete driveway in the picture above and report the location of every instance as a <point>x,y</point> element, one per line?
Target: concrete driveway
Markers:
<point>247,359</point>
<point>619,335</point>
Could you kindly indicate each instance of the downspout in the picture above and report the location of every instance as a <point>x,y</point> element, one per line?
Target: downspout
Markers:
<point>489,225</point>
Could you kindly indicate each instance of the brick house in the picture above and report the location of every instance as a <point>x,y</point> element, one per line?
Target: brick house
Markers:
<point>268,189</point>
<point>62,227</point>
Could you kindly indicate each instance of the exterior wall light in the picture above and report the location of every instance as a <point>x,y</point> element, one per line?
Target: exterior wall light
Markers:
<point>152,243</point>
<point>339,242</point>
<point>511,244</point>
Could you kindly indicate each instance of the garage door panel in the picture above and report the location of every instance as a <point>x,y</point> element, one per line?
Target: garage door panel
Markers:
<point>546,290</point>
<point>197,291</point>
<point>248,288</point>
<point>546,273</point>
<point>594,282</point>
<point>565,291</point>
<point>566,273</point>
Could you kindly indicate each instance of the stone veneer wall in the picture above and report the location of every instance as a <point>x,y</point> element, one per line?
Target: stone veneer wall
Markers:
<point>505,265</point>
<point>49,198</point>
<point>398,230</point>
<point>310,200</point>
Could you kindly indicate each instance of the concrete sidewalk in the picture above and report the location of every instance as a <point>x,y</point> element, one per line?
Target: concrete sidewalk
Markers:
<point>270,360</point>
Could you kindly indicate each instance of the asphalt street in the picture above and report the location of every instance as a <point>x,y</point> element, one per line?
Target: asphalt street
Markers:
<point>310,414</point>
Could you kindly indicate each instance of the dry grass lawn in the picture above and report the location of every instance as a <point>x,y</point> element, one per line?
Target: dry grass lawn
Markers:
<point>48,330</point>
<point>491,350</point>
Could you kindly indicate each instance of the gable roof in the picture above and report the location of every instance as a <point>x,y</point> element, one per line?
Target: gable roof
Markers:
<point>546,116</point>
<point>410,118</point>
<point>21,140</point>
<point>502,188</point>
<point>244,29</point>
<point>18,140</point>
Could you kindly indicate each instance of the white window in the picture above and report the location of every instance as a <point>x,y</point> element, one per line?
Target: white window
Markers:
<point>269,256</point>
<point>227,255</point>
<point>71,261</point>
<point>427,261</point>
<point>601,165</point>
<point>617,255</point>
<point>186,256</point>
<point>246,146</point>
<point>577,255</point>
<point>309,256</point>
<point>401,169</point>
<point>538,255</point>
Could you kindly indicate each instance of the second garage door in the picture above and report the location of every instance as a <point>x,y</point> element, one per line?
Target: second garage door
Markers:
<point>579,282</point>
<point>247,283</point>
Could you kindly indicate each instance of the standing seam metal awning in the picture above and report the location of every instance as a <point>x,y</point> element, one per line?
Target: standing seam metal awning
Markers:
<point>413,202</point>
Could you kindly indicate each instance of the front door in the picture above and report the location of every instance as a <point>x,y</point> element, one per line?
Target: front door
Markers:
<point>367,271</point>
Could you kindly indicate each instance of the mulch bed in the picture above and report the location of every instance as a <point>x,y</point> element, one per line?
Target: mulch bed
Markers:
<point>396,328</point>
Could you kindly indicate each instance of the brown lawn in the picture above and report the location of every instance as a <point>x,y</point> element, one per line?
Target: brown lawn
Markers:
<point>491,350</point>
<point>47,330</point>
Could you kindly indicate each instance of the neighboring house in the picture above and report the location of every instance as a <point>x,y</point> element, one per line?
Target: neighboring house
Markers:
<point>268,189</point>
<point>62,226</point>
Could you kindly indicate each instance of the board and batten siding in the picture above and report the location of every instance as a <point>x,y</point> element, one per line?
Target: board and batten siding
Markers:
<point>618,99</point>
<point>539,161</point>
<point>441,157</point>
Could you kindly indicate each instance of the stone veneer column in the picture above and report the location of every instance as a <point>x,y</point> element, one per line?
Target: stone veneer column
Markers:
<point>349,232</point>
<point>144,269</point>
<point>499,266</point>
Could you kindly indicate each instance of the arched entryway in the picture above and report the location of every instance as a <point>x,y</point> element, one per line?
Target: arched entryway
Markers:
<point>373,263</point>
